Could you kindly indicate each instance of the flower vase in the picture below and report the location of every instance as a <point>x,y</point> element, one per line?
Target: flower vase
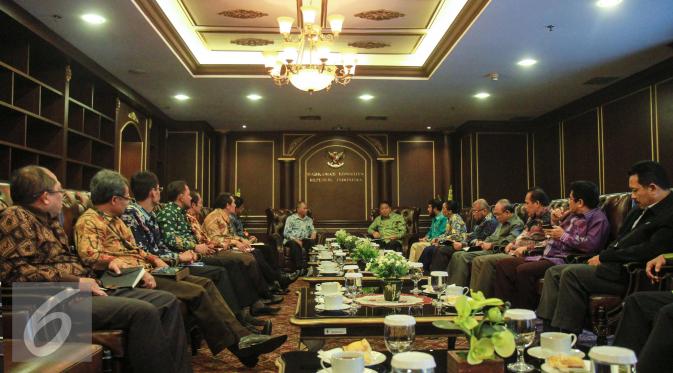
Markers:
<point>362,265</point>
<point>456,362</point>
<point>392,289</point>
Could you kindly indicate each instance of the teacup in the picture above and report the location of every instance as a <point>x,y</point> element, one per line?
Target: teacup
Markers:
<point>455,290</point>
<point>325,255</point>
<point>557,342</point>
<point>333,301</point>
<point>346,362</point>
<point>328,265</point>
<point>330,288</point>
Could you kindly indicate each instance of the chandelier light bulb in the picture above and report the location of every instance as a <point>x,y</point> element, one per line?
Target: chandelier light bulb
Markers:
<point>285,24</point>
<point>309,13</point>
<point>336,22</point>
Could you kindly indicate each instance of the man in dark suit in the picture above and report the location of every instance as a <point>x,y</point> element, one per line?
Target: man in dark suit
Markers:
<point>647,232</point>
<point>647,322</point>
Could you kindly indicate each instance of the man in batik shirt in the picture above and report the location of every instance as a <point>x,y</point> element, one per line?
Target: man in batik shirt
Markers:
<point>104,241</point>
<point>182,232</point>
<point>140,218</point>
<point>34,248</point>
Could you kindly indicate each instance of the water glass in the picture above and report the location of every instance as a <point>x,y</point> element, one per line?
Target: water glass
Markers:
<point>522,323</point>
<point>416,274</point>
<point>399,332</point>
<point>438,281</point>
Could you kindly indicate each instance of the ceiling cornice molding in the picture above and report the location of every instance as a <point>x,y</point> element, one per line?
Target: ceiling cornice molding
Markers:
<point>40,29</point>
<point>461,24</point>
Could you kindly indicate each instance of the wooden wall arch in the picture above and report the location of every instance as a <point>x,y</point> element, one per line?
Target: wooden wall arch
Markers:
<point>340,191</point>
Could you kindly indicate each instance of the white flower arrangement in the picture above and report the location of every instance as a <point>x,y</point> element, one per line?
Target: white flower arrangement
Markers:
<point>390,265</point>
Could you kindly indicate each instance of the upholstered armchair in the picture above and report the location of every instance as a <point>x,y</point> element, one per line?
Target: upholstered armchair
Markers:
<point>410,216</point>
<point>275,224</point>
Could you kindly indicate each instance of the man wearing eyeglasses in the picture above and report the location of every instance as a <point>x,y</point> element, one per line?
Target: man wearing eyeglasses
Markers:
<point>105,242</point>
<point>34,248</point>
<point>485,225</point>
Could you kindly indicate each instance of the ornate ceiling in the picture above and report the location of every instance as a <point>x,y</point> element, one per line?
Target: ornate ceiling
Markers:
<point>392,38</point>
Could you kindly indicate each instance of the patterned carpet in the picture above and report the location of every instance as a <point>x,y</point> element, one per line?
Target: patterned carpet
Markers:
<point>226,362</point>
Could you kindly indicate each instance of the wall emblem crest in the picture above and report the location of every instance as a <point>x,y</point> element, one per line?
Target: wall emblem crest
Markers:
<point>336,159</point>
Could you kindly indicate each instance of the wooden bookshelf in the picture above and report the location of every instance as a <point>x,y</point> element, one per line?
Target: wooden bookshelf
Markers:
<point>68,126</point>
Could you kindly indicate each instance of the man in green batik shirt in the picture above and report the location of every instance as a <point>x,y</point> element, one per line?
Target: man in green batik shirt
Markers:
<point>388,228</point>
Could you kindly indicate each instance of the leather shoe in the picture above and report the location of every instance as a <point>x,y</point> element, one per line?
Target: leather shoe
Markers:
<point>268,327</point>
<point>258,344</point>
<point>264,310</point>
<point>273,299</point>
<point>248,318</point>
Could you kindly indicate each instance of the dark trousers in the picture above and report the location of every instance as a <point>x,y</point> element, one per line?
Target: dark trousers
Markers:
<point>566,291</point>
<point>247,264</point>
<point>270,273</point>
<point>516,280</point>
<point>646,327</point>
<point>155,332</point>
<point>217,323</point>
<point>246,293</point>
<point>270,254</point>
<point>441,258</point>
<point>220,277</point>
<point>426,257</point>
<point>298,253</point>
<point>390,245</point>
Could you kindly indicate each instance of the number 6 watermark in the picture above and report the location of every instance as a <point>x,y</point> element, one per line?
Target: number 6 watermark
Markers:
<point>48,317</point>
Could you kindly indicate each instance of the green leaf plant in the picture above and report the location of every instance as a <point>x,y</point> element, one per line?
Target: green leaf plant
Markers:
<point>488,335</point>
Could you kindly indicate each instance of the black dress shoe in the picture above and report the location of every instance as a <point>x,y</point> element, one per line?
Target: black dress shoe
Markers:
<point>258,344</point>
<point>248,318</point>
<point>273,299</point>
<point>253,329</point>
<point>268,327</point>
<point>265,310</point>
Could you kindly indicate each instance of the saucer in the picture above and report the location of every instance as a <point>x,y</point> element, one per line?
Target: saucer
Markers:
<point>318,287</point>
<point>547,369</point>
<point>321,300</point>
<point>377,357</point>
<point>543,353</point>
<point>321,307</point>
<point>329,370</point>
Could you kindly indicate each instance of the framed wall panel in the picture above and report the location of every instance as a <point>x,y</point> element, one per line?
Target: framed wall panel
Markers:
<point>501,165</point>
<point>581,151</point>
<point>186,144</point>
<point>466,193</point>
<point>627,137</point>
<point>254,174</point>
<point>546,166</point>
<point>664,124</point>
<point>416,173</point>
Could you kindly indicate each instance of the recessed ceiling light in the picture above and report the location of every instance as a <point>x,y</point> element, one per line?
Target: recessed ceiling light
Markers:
<point>527,62</point>
<point>607,3</point>
<point>181,97</point>
<point>244,126</point>
<point>482,95</point>
<point>254,97</point>
<point>366,97</point>
<point>428,127</point>
<point>93,19</point>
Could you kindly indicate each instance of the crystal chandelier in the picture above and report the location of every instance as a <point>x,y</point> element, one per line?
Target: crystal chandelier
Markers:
<point>307,67</point>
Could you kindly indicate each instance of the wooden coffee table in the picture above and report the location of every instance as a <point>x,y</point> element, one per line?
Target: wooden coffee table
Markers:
<point>316,327</point>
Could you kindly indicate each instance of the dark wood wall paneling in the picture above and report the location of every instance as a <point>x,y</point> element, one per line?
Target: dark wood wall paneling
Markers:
<point>502,165</point>
<point>183,144</point>
<point>254,174</point>
<point>627,137</point>
<point>336,202</point>
<point>581,156</point>
<point>416,172</point>
<point>465,170</point>
<point>547,164</point>
<point>664,121</point>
